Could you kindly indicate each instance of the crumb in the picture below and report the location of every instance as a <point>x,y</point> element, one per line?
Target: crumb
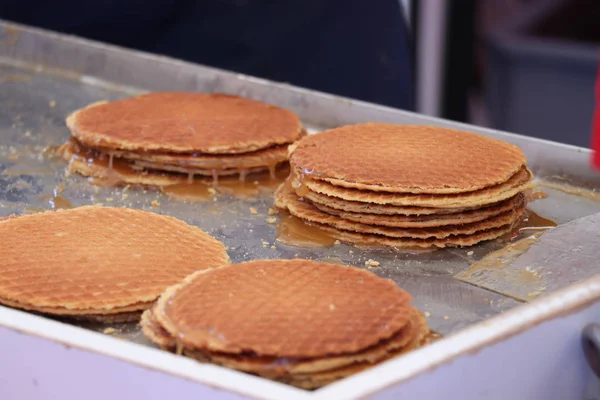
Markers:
<point>52,104</point>
<point>427,314</point>
<point>126,188</point>
<point>253,210</point>
<point>226,248</point>
<point>446,317</point>
<point>124,196</point>
<point>265,244</point>
<point>533,294</point>
<point>470,253</point>
<point>273,247</point>
<point>350,251</point>
<point>337,243</point>
<point>251,230</point>
<point>272,211</point>
<point>155,203</point>
<point>109,199</point>
<point>371,263</point>
<point>109,331</point>
<point>331,307</point>
<point>271,220</point>
<point>212,191</point>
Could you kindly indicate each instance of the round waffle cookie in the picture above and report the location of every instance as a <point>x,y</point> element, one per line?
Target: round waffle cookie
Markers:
<point>98,263</point>
<point>281,308</point>
<point>286,198</point>
<point>299,322</point>
<point>406,159</point>
<point>260,158</point>
<point>517,183</point>
<point>272,365</point>
<point>184,122</point>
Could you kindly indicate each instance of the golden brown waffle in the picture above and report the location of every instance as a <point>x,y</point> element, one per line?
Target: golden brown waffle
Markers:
<point>119,173</point>
<point>184,122</point>
<point>299,312</point>
<point>155,332</point>
<point>286,198</point>
<point>260,158</point>
<point>93,261</point>
<point>428,221</point>
<point>377,209</point>
<point>273,365</point>
<point>152,166</point>
<point>406,159</point>
<point>318,379</point>
<point>519,182</point>
<point>369,239</point>
<point>281,308</point>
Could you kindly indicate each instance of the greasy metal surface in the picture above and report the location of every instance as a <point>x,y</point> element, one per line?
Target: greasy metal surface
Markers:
<point>538,265</point>
<point>35,98</point>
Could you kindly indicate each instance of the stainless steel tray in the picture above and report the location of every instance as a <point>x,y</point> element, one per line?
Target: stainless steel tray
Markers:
<point>45,76</point>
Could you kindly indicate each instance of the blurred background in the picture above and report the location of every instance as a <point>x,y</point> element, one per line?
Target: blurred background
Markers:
<point>525,66</point>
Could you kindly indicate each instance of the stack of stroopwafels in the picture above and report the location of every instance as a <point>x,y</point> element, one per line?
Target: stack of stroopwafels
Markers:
<point>169,138</point>
<point>406,186</point>
<point>300,322</point>
<point>98,263</point>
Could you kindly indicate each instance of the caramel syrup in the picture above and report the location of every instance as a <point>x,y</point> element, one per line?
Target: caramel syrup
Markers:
<point>531,222</point>
<point>292,231</point>
<point>59,202</point>
<point>191,192</point>
<point>241,186</point>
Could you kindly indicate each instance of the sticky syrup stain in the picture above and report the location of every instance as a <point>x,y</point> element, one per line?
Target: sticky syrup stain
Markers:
<point>292,231</point>
<point>189,192</point>
<point>241,186</point>
<point>531,222</point>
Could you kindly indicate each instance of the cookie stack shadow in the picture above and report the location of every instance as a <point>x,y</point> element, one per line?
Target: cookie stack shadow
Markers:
<point>406,186</point>
<point>299,322</point>
<point>163,139</point>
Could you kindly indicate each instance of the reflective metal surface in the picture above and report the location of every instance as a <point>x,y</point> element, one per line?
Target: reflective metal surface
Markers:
<point>43,77</point>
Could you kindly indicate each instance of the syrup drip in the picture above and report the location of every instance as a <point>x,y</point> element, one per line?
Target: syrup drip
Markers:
<point>292,231</point>
<point>243,184</point>
<point>531,222</point>
<point>299,187</point>
<point>253,185</point>
<point>59,202</point>
<point>190,192</point>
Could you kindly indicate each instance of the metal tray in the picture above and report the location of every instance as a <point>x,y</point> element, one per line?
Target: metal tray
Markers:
<point>44,76</point>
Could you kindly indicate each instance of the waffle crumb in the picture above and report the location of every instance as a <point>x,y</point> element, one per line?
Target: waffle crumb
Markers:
<point>371,263</point>
<point>272,211</point>
<point>155,203</point>
<point>52,104</point>
<point>273,247</point>
<point>265,244</point>
<point>124,196</point>
<point>109,331</point>
<point>427,314</point>
<point>212,191</point>
<point>271,220</point>
<point>446,317</point>
<point>337,243</point>
<point>470,253</point>
<point>253,210</point>
<point>109,199</point>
